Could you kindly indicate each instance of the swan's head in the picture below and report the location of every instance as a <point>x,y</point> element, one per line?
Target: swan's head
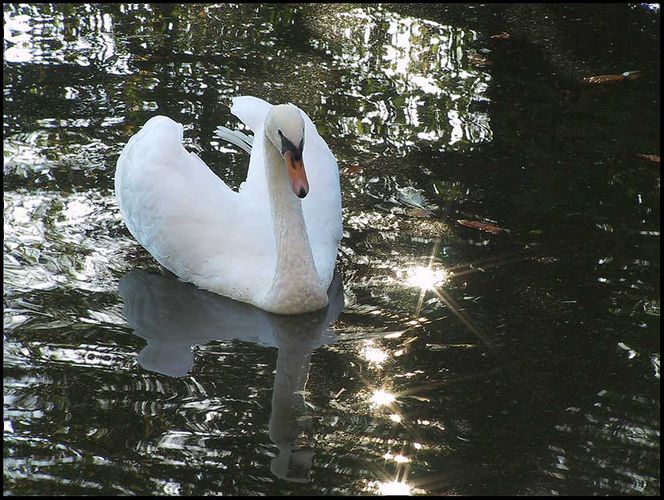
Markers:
<point>284,127</point>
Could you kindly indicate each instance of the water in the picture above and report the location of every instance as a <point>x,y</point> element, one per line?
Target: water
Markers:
<point>520,356</point>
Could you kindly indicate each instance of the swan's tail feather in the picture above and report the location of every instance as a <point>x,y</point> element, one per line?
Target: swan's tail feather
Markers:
<point>235,137</point>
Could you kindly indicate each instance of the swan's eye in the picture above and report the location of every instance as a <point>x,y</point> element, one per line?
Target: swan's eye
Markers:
<point>287,145</point>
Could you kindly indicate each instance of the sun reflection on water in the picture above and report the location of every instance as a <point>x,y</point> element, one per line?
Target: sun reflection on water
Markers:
<point>382,397</point>
<point>373,354</point>
<point>400,459</point>
<point>425,278</point>
<point>394,488</point>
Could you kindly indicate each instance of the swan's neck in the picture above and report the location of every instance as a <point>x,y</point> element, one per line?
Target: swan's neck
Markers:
<point>296,287</point>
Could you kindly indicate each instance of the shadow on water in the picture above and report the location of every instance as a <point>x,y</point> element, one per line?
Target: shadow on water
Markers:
<point>173,317</point>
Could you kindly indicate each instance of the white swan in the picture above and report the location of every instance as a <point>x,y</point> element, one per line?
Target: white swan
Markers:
<point>266,244</point>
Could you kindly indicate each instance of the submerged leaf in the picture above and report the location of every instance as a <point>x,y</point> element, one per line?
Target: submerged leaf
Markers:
<point>479,60</point>
<point>482,226</point>
<point>353,169</point>
<point>419,212</point>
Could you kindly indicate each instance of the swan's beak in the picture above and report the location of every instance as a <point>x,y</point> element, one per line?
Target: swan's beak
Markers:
<point>297,174</point>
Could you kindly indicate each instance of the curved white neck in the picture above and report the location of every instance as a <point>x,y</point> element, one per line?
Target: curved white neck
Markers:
<point>296,286</point>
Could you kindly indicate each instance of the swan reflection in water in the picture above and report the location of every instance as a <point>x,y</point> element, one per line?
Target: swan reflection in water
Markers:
<point>172,316</point>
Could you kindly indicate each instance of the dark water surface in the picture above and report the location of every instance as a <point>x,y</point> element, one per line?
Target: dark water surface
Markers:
<point>521,356</point>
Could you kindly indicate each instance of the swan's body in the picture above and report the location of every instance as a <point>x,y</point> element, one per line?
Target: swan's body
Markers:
<point>262,244</point>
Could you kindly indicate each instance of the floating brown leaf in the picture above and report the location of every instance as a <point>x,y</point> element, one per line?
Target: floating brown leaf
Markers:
<point>501,36</point>
<point>632,75</point>
<point>652,158</point>
<point>482,226</point>
<point>602,79</point>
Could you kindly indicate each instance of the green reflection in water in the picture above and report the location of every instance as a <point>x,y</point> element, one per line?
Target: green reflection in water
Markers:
<point>465,362</point>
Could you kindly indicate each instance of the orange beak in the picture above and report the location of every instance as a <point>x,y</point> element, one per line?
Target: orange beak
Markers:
<point>297,174</point>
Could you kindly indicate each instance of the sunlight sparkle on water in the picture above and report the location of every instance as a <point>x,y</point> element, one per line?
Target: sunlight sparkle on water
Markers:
<point>382,397</point>
<point>400,459</point>
<point>425,278</point>
<point>394,488</point>
<point>374,355</point>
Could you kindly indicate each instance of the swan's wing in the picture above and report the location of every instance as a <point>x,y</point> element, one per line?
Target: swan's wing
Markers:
<point>239,139</point>
<point>252,111</point>
<point>322,206</point>
<point>188,218</point>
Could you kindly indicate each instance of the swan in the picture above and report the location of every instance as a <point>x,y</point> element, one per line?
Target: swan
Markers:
<point>273,243</point>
